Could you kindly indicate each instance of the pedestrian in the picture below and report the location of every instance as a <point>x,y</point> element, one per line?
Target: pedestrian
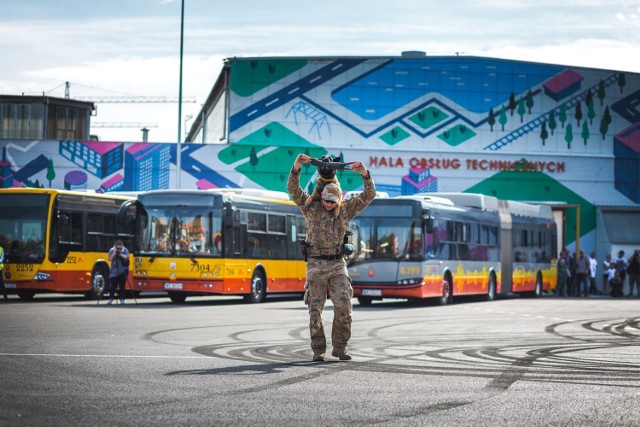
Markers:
<point>606,275</point>
<point>634,273</point>
<point>563,275</point>
<point>4,289</point>
<point>119,259</point>
<point>621,266</point>
<point>571,281</point>
<point>327,220</point>
<point>593,266</point>
<point>582,273</point>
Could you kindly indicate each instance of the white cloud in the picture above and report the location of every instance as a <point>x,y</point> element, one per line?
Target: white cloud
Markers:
<point>136,52</point>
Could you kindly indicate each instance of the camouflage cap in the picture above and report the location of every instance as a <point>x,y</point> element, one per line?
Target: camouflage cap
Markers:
<point>331,193</point>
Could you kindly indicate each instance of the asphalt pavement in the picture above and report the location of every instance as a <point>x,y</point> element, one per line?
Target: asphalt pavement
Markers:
<point>217,361</point>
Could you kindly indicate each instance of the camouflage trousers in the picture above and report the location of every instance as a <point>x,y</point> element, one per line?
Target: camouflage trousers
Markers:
<point>332,276</point>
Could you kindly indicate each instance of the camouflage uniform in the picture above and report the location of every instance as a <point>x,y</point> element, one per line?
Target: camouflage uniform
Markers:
<point>326,267</point>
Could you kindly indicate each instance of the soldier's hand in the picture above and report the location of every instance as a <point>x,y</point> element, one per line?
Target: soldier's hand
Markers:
<point>359,167</point>
<point>300,160</point>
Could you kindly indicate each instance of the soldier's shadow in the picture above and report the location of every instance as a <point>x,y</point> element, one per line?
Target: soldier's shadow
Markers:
<point>255,369</point>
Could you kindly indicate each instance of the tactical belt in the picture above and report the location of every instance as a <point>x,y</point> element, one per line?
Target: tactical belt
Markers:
<point>327,257</point>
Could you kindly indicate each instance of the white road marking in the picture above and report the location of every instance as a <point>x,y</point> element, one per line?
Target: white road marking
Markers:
<point>121,356</point>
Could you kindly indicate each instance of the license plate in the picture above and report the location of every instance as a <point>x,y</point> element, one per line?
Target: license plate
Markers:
<point>371,292</point>
<point>173,285</point>
<point>10,285</point>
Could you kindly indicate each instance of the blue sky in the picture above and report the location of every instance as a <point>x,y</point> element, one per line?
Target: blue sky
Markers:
<point>131,47</point>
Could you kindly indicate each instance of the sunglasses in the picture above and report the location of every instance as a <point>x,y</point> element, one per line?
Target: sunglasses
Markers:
<point>329,201</point>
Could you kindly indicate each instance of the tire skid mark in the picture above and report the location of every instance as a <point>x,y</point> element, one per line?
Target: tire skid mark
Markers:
<point>571,357</point>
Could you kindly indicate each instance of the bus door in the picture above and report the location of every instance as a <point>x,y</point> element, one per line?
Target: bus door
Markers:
<point>295,231</point>
<point>506,245</point>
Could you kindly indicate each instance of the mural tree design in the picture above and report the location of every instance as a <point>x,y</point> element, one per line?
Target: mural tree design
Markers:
<point>568,135</point>
<point>512,103</point>
<point>503,117</point>
<point>543,132</point>
<point>51,173</point>
<point>491,119</point>
<point>585,132</point>
<point>578,113</point>
<point>529,100</point>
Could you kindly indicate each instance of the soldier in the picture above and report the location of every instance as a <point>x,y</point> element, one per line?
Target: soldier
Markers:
<point>327,221</point>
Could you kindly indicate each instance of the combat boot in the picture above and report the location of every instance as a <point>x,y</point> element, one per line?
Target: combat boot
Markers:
<point>341,354</point>
<point>318,357</point>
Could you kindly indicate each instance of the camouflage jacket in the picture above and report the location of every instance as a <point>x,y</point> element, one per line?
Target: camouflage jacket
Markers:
<point>325,231</point>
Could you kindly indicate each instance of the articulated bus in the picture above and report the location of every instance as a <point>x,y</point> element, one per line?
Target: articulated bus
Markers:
<point>58,240</point>
<point>442,245</point>
<point>219,241</point>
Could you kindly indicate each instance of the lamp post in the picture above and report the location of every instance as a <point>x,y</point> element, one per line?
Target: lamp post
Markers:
<point>179,147</point>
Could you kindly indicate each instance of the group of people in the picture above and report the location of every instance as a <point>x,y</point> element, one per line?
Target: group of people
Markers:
<point>577,274</point>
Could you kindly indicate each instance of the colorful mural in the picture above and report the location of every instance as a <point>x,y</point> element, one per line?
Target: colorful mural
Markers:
<point>518,130</point>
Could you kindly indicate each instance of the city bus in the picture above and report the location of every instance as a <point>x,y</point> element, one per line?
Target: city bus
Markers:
<point>58,240</point>
<point>240,242</point>
<point>441,245</point>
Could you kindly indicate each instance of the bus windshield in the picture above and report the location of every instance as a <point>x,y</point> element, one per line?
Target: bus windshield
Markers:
<point>23,222</point>
<point>387,238</point>
<point>186,231</point>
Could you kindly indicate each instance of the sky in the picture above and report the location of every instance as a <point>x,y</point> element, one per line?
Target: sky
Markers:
<point>131,48</point>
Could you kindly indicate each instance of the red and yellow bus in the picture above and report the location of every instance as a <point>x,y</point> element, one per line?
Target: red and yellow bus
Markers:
<point>57,240</point>
<point>220,241</point>
<point>441,245</point>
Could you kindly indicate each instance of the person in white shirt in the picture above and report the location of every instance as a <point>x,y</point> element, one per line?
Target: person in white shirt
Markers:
<point>593,264</point>
<point>607,274</point>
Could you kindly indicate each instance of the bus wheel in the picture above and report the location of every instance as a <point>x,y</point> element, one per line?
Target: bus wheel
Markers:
<point>258,288</point>
<point>447,286</point>
<point>491,292</point>
<point>25,295</point>
<point>538,291</point>
<point>98,284</point>
<point>365,301</point>
<point>177,297</point>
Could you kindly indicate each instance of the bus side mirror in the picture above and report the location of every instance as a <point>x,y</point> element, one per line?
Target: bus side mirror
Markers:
<point>121,217</point>
<point>227,219</point>
<point>429,225</point>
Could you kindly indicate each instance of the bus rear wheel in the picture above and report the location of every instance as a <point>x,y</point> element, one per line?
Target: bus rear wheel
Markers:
<point>26,295</point>
<point>365,301</point>
<point>98,284</point>
<point>447,294</point>
<point>258,289</point>
<point>491,292</point>
<point>538,290</point>
<point>177,297</point>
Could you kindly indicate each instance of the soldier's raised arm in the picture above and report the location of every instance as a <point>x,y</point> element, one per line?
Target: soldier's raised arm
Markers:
<point>298,195</point>
<point>362,200</point>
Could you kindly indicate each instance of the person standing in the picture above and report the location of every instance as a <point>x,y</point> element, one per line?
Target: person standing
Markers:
<point>606,275</point>
<point>582,273</point>
<point>620,264</point>
<point>634,273</point>
<point>119,259</point>
<point>327,222</point>
<point>593,266</point>
<point>571,281</point>
<point>563,275</point>
<point>4,289</point>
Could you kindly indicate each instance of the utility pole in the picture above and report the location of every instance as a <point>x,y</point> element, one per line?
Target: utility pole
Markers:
<point>179,147</point>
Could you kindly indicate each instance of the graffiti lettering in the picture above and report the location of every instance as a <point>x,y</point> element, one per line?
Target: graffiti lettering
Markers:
<point>470,164</point>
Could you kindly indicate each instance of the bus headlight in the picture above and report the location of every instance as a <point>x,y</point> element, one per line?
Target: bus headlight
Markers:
<point>412,281</point>
<point>42,277</point>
